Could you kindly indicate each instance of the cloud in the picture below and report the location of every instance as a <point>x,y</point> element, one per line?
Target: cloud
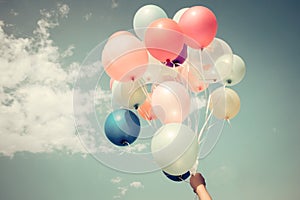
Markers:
<point>13,12</point>
<point>136,184</point>
<point>114,3</point>
<point>36,113</point>
<point>87,17</point>
<point>123,189</point>
<point>63,10</point>
<point>116,180</point>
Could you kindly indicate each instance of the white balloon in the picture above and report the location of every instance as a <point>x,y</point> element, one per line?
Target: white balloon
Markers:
<point>220,54</point>
<point>175,148</point>
<point>238,71</point>
<point>153,71</point>
<point>145,16</point>
<point>170,102</point>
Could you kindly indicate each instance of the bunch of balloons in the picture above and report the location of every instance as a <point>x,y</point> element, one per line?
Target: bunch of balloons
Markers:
<point>157,73</point>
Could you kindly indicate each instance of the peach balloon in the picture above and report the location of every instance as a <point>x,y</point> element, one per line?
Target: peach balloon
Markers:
<point>145,110</point>
<point>170,102</point>
<point>124,58</point>
<point>199,24</point>
<point>164,39</point>
<point>193,77</point>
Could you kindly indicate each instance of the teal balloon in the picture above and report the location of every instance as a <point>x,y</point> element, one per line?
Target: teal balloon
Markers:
<point>122,127</point>
<point>145,16</point>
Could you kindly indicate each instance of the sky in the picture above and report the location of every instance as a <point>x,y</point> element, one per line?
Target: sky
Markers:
<point>43,45</point>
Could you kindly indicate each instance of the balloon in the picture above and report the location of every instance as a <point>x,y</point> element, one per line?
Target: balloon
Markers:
<point>124,58</point>
<point>119,33</point>
<point>145,110</point>
<point>153,70</point>
<point>164,39</point>
<point>145,16</point>
<point>175,148</point>
<point>179,59</point>
<point>224,103</point>
<point>128,94</point>
<point>111,82</point>
<point>170,102</point>
<point>214,61</point>
<point>178,14</point>
<point>238,71</point>
<point>193,77</point>
<point>122,127</point>
<point>177,178</point>
<point>199,24</point>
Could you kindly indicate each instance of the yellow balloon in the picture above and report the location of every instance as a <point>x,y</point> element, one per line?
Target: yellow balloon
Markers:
<point>224,103</point>
<point>128,94</point>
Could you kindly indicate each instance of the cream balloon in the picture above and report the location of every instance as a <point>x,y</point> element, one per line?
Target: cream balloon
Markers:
<point>175,148</point>
<point>128,94</point>
<point>224,103</point>
<point>170,102</point>
<point>178,14</point>
<point>238,71</point>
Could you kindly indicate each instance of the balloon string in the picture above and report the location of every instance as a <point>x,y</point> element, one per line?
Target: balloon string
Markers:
<point>228,121</point>
<point>204,126</point>
<point>153,125</point>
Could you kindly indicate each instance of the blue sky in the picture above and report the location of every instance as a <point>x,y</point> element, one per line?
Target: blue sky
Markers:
<point>43,44</point>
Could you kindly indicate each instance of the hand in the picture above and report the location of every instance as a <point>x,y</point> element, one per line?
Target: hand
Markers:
<point>197,180</point>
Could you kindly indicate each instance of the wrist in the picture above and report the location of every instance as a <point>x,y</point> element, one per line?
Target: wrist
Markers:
<point>200,189</point>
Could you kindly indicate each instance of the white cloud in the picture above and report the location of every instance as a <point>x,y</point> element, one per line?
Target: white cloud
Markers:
<point>36,111</point>
<point>116,180</point>
<point>114,3</point>
<point>13,12</point>
<point>68,52</point>
<point>123,190</point>
<point>63,10</point>
<point>136,184</point>
<point>87,17</point>
<point>138,147</point>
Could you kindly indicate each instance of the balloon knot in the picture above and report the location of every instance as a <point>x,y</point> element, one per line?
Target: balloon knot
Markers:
<point>136,106</point>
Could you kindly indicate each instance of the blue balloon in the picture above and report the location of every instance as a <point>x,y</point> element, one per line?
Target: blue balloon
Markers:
<point>122,127</point>
<point>177,178</point>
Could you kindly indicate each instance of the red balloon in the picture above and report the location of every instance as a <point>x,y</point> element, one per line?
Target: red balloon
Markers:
<point>164,39</point>
<point>199,24</point>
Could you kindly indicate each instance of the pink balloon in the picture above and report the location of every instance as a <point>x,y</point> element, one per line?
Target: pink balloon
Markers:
<point>170,102</point>
<point>199,24</point>
<point>124,58</point>
<point>164,39</point>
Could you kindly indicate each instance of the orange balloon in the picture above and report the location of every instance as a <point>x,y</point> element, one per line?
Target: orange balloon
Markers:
<point>145,110</point>
<point>164,39</point>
